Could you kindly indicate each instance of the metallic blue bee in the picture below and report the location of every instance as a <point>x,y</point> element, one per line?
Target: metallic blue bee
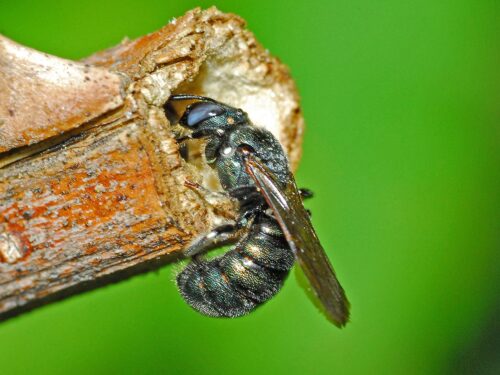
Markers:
<point>273,228</point>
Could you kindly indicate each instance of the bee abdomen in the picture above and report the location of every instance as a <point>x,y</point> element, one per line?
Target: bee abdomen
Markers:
<point>267,245</point>
<point>248,275</point>
<point>208,290</point>
<point>250,279</point>
<point>269,252</point>
<point>191,284</point>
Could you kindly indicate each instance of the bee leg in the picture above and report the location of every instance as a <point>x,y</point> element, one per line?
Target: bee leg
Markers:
<point>173,118</point>
<point>171,113</point>
<point>224,234</point>
<point>306,193</point>
<point>183,151</point>
<point>207,193</point>
<point>248,196</point>
<point>217,237</point>
<point>251,204</point>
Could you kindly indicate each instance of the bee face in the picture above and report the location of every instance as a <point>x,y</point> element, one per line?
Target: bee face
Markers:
<point>209,117</point>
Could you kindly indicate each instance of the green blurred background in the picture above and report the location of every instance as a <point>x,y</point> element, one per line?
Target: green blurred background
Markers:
<point>401,101</point>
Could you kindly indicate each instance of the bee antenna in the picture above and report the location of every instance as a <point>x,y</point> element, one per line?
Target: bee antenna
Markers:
<point>189,97</point>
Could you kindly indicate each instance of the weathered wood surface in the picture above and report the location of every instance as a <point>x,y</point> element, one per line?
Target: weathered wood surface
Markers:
<point>43,96</point>
<point>92,186</point>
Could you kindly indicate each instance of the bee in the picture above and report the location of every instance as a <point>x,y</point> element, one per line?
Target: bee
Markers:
<point>272,231</point>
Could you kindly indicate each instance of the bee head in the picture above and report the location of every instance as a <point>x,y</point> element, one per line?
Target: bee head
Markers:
<point>209,116</point>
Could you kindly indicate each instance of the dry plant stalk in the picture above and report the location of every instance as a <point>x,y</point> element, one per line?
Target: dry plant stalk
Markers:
<point>92,186</point>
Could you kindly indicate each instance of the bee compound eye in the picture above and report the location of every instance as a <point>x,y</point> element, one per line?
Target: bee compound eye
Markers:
<point>200,112</point>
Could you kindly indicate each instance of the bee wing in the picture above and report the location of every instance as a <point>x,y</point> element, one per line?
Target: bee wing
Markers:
<point>284,199</point>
